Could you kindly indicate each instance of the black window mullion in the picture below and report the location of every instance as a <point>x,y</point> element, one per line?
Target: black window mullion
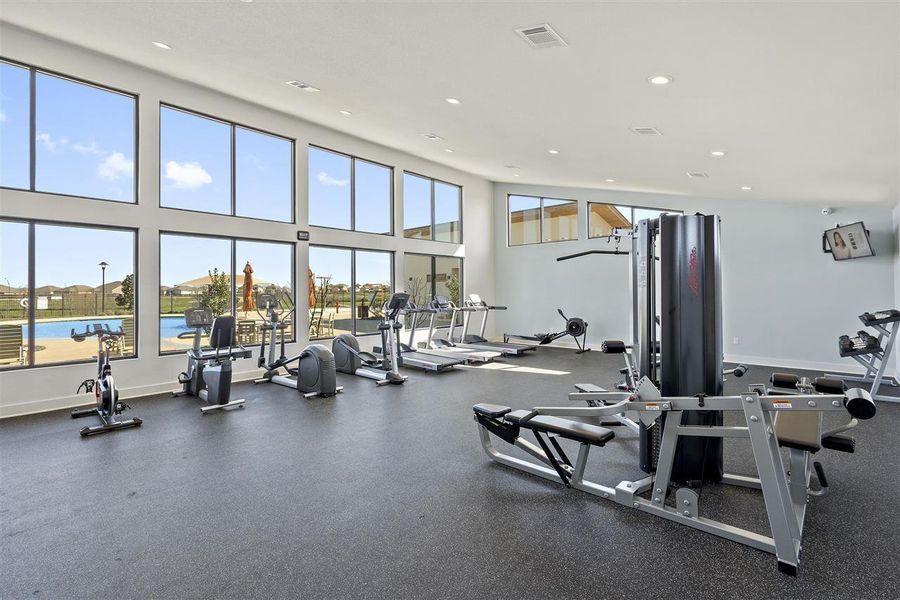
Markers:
<point>352,287</point>
<point>233,277</point>
<point>233,171</point>
<point>433,224</point>
<point>32,127</point>
<point>353,195</point>
<point>32,297</point>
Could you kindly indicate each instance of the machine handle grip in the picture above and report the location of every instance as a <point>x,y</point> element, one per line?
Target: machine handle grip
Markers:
<point>859,404</point>
<point>185,334</point>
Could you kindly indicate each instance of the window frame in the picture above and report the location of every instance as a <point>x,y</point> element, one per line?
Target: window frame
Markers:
<point>431,182</point>
<point>432,275</point>
<point>353,251</point>
<point>33,70</point>
<point>232,275</point>
<point>232,125</point>
<point>509,243</point>
<point>353,158</point>
<point>32,296</point>
<point>631,208</point>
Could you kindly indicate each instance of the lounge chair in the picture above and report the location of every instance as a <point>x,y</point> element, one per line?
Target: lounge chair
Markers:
<point>12,345</point>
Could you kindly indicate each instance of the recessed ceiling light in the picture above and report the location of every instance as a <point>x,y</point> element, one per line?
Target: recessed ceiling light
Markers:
<point>162,45</point>
<point>746,188</point>
<point>247,1</point>
<point>610,180</point>
<point>431,136</point>
<point>448,150</point>
<point>553,151</point>
<point>515,174</point>
<point>303,86</point>
<point>717,153</point>
<point>659,79</point>
<point>453,100</point>
<point>345,112</point>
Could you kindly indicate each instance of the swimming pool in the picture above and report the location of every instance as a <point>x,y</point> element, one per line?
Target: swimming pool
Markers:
<point>169,327</point>
<point>63,329</point>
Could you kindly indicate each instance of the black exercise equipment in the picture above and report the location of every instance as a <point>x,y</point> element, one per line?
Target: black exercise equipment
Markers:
<point>873,353</point>
<point>103,387</point>
<point>575,326</point>
<point>209,372</point>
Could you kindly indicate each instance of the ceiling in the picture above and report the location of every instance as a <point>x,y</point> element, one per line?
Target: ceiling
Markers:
<point>804,97</point>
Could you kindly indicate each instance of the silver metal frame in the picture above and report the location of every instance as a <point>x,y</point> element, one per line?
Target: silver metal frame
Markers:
<point>785,487</point>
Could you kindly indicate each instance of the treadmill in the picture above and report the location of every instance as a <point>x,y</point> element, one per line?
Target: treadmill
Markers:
<point>408,356</point>
<point>474,304</point>
<point>446,347</point>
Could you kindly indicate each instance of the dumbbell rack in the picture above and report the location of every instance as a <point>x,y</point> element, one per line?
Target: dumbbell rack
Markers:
<point>872,352</point>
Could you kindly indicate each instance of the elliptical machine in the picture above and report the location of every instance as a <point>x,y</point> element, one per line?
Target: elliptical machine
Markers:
<point>351,360</point>
<point>209,372</point>
<point>104,386</point>
<point>315,373</point>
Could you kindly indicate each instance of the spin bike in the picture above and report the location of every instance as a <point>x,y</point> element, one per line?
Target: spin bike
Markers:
<point>315,373</point>
<point>104,386</point>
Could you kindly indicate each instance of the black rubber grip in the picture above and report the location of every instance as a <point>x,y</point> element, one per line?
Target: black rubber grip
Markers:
<point>829,385</point>
<point>740,370</point>
<point>841,443</point>
<point>784,380</point>
<point>820,474</point>
<point>613,347</point>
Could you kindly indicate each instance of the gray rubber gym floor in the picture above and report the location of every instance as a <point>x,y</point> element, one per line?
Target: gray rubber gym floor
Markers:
<point>386,493</point>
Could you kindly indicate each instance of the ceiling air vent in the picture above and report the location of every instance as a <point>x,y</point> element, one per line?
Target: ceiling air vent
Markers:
<point>432,136</point>
<point>303,86</point>
<point>697,175</point>
<point>541,36</point>
<point>646,131</point>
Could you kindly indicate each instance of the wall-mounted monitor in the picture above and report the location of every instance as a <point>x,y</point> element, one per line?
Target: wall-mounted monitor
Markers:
<point>849,241</point>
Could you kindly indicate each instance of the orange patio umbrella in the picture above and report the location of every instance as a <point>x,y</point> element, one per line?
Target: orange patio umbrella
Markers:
<point>249,301</point>
<point>311,285</point>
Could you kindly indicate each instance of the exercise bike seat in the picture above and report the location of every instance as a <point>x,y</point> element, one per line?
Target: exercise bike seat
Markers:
<point>491,410</point>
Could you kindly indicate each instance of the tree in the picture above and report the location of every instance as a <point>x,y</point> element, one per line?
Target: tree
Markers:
<point>453,287</point>
<point>217,296</point>
<point>126,298</point>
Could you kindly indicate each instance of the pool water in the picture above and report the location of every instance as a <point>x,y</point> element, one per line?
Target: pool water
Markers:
<point>169,327</point>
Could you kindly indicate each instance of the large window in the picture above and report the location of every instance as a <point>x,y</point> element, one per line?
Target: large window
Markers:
<point>348,288</point>
<point>432,209</point>
<point>534,220</point>
<point>427,276</point>
<point>80,141</point>
<point>350,193</point>
<point>214,166</point>
<point>603,218</point>
<point>81,276</point>
<point>223,275</point>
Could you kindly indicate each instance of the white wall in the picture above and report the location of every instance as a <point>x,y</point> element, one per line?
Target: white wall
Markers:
<point>46,388</point>
<point>783,299</point>
<point>897,276</point>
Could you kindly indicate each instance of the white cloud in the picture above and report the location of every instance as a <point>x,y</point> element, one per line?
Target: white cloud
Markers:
<point>2,116</point>
<point>326,179</point>
<point>187,176</point>
<point>91,148</point>
<point>115,166</point>
<point>47,140</point>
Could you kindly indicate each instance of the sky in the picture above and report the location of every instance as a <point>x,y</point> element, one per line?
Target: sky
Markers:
<point>371,267</point>
<point>331,188</point>
<point>183,258</point>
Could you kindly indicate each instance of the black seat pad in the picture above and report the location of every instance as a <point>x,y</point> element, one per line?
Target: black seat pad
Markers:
<point>491,410</point>
<point>566,428</point>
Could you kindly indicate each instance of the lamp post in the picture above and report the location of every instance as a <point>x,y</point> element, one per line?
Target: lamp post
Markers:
<point>103,266</point>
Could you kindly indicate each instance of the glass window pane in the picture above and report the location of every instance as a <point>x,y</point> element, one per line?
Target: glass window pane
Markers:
<point>560,220</point>
<point>329,189</point>
<point>417,278</point>
<point>15,123</point>
<point>264,176</point>
<point>602,218</point>
<point>266,267</point>
<point>195,162</point>
<point>447,200</point>
<point>448,282</point>
<point>416,207</point>
<point>193,271</point>
<point>13,294</point>
<point>84,140</point>
<point>524,220</point>
<point>72,265</point>
<point>372,191</point>
<point>373,289</point>
<point>330,314</point>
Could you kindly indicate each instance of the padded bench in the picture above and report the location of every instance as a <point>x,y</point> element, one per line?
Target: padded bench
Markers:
<point>564,428</point>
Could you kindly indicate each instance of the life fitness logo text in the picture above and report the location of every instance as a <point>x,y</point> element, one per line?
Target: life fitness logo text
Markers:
<point>693,278</point>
